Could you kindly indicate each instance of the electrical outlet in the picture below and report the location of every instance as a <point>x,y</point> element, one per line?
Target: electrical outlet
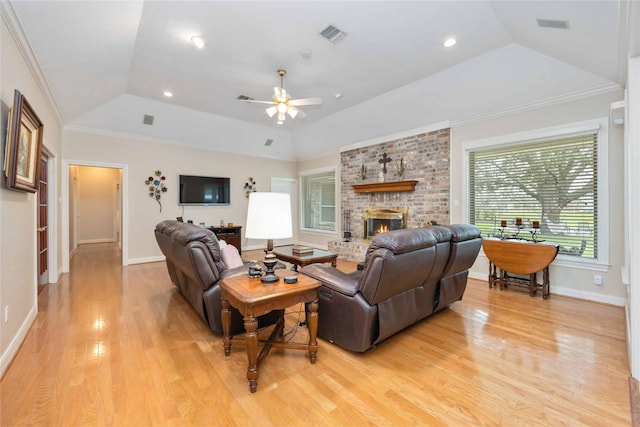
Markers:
<point>597,280</point>
<point>6,313</point>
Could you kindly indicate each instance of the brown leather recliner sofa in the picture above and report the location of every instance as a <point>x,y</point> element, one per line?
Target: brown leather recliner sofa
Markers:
<point>195,266</point>
<point>407,275</point>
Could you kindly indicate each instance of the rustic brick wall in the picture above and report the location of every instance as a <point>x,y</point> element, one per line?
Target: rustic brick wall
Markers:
<point>425,158</point>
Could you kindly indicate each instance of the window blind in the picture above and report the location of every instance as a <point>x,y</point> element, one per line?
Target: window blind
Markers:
<point>553,181</point>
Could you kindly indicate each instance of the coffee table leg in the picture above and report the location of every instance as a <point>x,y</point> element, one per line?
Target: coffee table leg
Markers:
<point>334,262</point>
<point>312,324</point>
<point>226,327</point>
<point>294,267</point>
<point>251,343</point>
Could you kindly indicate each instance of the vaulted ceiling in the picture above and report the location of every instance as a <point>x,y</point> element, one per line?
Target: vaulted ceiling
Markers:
<point>106,65</point>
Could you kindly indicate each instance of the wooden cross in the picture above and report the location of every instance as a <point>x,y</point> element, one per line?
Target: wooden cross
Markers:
<point>384,160</point>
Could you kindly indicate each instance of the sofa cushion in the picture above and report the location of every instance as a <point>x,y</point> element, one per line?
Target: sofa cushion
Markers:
<point>403,241</point>
<point>231,257</point>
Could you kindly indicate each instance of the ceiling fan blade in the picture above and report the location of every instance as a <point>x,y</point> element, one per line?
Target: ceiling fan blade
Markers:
<point>306,101</point>
<point>256,101</point>
<point>276,92</point>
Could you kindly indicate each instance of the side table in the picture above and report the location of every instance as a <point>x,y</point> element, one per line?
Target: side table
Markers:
<point>253,298</point>
<point>520,257</point>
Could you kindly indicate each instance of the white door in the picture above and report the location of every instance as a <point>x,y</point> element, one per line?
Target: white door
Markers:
<point>288,186</point>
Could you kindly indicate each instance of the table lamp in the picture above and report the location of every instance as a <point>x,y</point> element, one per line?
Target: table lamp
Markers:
<point>269,217</point>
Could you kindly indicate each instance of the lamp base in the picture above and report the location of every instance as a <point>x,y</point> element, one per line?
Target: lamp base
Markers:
<point>270,262</point>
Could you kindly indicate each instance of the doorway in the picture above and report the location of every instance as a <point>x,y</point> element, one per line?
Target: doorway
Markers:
<point>288,186</point>
<point>88,221</point>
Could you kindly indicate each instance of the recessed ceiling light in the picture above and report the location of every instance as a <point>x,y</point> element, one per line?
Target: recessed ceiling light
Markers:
<point>450,42</point>
<point>197,41</point>
<point>167,93</point>
<point>337,95</point>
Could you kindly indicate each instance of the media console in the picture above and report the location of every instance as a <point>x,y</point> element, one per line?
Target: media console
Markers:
<point>231,235</point>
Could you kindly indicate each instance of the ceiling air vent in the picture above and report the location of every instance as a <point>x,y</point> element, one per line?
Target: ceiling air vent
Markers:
<point>553,23</point>
<point>333,34</point>
<point>147,120</point>
<point>244,98</point>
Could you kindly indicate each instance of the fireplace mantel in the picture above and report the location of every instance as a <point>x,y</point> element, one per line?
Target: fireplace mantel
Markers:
<point>385,187</point>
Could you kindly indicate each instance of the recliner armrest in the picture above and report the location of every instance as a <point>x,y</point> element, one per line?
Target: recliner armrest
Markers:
<point>345,283</point>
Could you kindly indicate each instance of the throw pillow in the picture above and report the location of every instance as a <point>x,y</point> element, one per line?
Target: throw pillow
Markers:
<point>222,244</point>
<point>231,257</point>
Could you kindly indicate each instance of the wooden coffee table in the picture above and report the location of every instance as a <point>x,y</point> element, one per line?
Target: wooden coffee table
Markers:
<point>285,253</point>
<point>253,298</point>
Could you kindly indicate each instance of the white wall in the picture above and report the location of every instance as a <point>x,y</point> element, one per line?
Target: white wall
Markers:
<point>632,143</point>
<point>18,262</point>
<point>144,157</point>
<point>577,282</point>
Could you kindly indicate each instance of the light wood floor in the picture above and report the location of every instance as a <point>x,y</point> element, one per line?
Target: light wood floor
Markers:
<point>118,346</point>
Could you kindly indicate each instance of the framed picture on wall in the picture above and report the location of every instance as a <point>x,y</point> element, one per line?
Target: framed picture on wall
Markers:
<point>24,146</point>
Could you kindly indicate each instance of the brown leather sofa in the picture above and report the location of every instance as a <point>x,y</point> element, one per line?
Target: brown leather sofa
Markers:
<point>407,276</point>
<point>195,266</point>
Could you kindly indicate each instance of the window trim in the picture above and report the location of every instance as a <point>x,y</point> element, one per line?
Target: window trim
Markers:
<point>308,172</point>
<point>601,125</point>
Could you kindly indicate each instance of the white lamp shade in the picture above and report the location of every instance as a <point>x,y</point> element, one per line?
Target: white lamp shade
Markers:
<point>269,216</point>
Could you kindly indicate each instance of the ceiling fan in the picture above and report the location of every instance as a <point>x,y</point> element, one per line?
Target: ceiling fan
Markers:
<point>282,104</point>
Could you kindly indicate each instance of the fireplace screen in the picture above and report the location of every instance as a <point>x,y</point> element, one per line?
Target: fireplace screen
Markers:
<point>382,220</point>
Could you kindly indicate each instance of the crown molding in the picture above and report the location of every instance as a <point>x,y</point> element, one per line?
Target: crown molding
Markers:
<point>397,135</point>
<point>15,28</point>
<point>555,100</point>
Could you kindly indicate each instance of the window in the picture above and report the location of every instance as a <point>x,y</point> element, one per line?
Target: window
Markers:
<point>319,200</point>
<point>553,181</point>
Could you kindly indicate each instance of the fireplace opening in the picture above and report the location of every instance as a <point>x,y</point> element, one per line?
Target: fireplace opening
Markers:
<point>378,221</point>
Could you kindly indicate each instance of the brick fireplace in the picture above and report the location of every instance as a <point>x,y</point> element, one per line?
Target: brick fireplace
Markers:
<point>425,159</point>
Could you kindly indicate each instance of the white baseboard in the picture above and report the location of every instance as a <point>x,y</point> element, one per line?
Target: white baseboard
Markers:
<point>146,260</point>
<point>568,292</point>
<point>18,339</point>
<point>106,240</point>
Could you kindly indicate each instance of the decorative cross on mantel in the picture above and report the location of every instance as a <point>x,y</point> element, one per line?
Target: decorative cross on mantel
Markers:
<point>384,160</point>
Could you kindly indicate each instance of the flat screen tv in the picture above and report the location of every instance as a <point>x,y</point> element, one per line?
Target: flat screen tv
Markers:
<point>203,190</point>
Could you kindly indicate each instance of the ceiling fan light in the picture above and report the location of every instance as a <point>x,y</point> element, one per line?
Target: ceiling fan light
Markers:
<point>282,107</point>
<point>280,122</point>
<point>293,112</point>
<point>271,111</point>
<point>281,117</point>
<point>197,41</point>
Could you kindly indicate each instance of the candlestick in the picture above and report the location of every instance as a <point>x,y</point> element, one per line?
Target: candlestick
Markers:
<point>518,221</point>
<point>503,223</point>
<point>536,224</point>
